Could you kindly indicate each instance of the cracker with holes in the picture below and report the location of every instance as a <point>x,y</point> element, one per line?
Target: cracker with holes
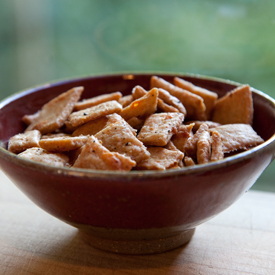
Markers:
<point>117,137</point>
<point>83,116</point>
<point>161,159</point>
<point>95,156</point>
<point>159,128</point>
<point>193,103</point>
<point>21,142</point>
<point>141,107</point>
<point>90,102</point>
<point>54,113</point>
<point>62,144</point>
<point>237,137</point>
<point>209,97</point>
<point>41,155</point>
<point>235,107</point>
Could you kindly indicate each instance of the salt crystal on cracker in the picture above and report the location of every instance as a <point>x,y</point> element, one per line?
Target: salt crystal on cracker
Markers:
<point>100,110</point>
<point>193,103</point>
<point>237,137</point>
<point>235,107</point>
<point>90,102</point>
<point>160,159</point>
<point>21,142</point>
<point>209,97</point>
<point>41,155</point>
<point>54,113</point>
<point>159,128</point>
<point>95,156</point>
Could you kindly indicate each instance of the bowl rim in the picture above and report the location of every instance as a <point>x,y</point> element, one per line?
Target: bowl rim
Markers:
<point>90,173</point>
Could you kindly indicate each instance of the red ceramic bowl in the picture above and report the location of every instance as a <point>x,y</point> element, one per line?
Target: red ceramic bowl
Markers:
<point>137,212</point>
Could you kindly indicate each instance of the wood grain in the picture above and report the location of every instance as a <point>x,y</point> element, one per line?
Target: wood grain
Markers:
<point>241,240</point>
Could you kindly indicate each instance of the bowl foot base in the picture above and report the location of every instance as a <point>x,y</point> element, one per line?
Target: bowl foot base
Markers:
<point>139,247</point>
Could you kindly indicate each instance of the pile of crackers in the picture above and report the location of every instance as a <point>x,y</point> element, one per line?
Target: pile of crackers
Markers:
<point>170,126</point>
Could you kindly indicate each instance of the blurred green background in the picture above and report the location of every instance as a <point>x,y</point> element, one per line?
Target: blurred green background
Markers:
<point>46,40</point>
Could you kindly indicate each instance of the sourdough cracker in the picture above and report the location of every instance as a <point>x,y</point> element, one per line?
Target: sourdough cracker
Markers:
<point>159,128</point>
<point>161,159</point>
<point>41,155</point>
<point>193,104</point>
<point>21,142</point>
<point>91,127</point>
<point>141,107</point>
<point>95,156</point>
<point>117,137</point>
<point>90,102</point>
<point>235,107</point>
<point>209,97</point>
<point>237,137</point>
<point>83,116</point>
<point>54,113</point>
<point>62,144</point>
<point>204,148</point>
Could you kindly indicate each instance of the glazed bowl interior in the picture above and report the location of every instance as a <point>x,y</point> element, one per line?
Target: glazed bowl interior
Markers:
<point>158,208</point>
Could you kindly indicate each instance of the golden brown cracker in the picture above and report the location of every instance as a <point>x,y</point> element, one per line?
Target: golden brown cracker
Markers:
<point>193,103</point>
<point>204,148</point>
<point>21,142</point>
<point>92,127</point>
<point>62,144</point>
<point>54,113</point>
<point>181,137</point>
<point>209,97</point>
<point>95,156</point>
<point>90,102</point>
<point>41,155</point>
<point>161,159</point>
<point>95,112</point>
<point>237,137</point>
<point>126,100</point>
<point>141,107</point>
<point>216,147</point>
<point>117,137</point>
<point>171,100</point>
<point>159,128</point>
<point>235,107</point>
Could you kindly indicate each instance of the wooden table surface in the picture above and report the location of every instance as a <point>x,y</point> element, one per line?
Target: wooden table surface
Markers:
<point>241,240</point>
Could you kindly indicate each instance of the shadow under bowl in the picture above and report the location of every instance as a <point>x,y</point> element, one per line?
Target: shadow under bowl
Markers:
<point>138,212</point>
